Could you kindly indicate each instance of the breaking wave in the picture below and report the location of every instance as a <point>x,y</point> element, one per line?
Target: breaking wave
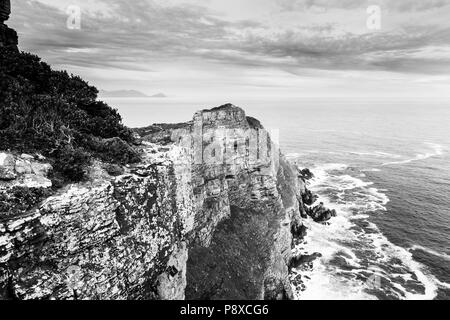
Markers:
<point>437,150</point>
<point>358,261</point>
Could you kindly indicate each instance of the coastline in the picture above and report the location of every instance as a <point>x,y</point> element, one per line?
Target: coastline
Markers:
<point>337,261</point>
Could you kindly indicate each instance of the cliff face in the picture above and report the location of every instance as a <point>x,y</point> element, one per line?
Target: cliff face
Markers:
<point>110,238</point>
<point>8,36</point>
<point>207,214</point>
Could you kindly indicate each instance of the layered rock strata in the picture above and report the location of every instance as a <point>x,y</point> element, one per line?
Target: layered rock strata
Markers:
<point>207,214</point>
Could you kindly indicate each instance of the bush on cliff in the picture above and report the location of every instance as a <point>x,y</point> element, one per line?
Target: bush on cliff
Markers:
<point>58,115</point>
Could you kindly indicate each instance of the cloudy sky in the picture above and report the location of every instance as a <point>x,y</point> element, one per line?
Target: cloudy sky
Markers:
<point>246,48</point>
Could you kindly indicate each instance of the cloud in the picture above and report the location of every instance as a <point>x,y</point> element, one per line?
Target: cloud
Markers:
<point>397,5</point>
<point>351,51</point>
<point>142,34</point>
<point>129,32</point>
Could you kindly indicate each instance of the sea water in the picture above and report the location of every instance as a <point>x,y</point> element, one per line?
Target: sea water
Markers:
<point>383,164</point>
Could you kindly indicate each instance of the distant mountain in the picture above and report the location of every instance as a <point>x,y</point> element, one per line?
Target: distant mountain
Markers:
<point>159,95</point>
<point>122,94</point>
<point>128,94</point>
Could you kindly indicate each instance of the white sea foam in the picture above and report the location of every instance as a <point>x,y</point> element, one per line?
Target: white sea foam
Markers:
<point>442,284</point>
<point>344,239</point>
<point>437,150</point>
<point>376,154</point>
<point>371,170</point>
<point>387,250</point>
<point>323,283</point>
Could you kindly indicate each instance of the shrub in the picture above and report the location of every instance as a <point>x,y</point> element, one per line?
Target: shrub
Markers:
<point>70,162</point>
<point>19,200</point>
<point>58,115</point>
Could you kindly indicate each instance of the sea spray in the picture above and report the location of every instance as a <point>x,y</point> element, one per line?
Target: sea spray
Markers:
<point>358,261</point>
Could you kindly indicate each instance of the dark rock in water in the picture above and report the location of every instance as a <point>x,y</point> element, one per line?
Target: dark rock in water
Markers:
<point>416,287</point>
<point>300,260</point>
<point>342,263</point>
<point>320,213</point>
<point>298,231</point>
<point>309,198</point>
<point>306,174</point>
<point>303,210</point>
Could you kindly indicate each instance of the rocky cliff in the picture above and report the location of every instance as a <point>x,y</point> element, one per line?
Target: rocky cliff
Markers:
<point>8,36</point>
<point>207,214</point>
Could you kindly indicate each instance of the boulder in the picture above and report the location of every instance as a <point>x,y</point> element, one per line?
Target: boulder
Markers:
<point>23,166</point>
<point>42,169</point>
<point>24,170</point>
<point>298,230</point>
<point>7,175</point>
<point>309,198</point>
<point>320,213</point>
<point>300,260</point>
<point>26,156</point>
<point>305,174</point>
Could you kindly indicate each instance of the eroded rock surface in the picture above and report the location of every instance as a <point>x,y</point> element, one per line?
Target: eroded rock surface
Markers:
<point>104,239</point>
<point>207,214</point>
<point>247,199</point>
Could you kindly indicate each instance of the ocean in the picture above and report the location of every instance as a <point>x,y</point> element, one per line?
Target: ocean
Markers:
<point>384,165</point>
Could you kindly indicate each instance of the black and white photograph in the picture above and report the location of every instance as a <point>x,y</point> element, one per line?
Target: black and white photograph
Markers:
<point>238,150</point>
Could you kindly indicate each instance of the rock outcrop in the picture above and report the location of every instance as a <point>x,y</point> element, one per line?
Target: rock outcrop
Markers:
<point>320,213</point>
<point>247,199</point>
<point>109,238</point>
<point>207,214</point>
<point>8,36</point>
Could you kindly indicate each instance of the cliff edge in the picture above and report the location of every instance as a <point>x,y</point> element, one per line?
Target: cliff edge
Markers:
<point>246,198</point>
<point>206,214</point>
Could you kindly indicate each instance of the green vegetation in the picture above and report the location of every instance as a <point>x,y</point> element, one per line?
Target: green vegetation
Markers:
<point>57,115</point>
<point>20,200</point>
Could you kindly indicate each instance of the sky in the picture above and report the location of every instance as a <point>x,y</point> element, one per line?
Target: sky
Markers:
<point>246,48</point>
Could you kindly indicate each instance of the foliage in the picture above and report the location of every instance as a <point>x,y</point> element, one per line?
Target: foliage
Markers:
<point>19,200</point>
<point>58,115</point>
